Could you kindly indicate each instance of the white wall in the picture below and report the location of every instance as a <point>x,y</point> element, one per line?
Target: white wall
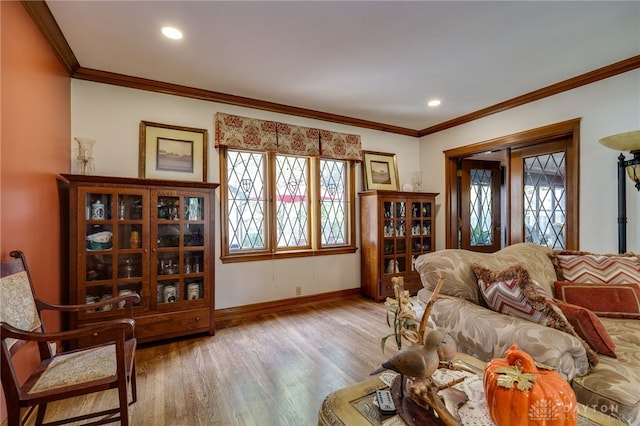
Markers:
<point>111,115</point>
<point>606,107</point>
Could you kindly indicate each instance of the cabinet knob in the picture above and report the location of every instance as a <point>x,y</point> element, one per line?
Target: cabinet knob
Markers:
<point>197,318</point>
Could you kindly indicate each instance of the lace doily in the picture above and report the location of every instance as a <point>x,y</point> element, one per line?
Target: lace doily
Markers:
<point>474,412</point>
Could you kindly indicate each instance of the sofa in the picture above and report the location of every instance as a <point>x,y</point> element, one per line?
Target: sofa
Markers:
<point>479,306</point>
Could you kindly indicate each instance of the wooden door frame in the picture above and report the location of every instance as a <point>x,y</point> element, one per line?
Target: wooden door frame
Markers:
<point>569,129</point>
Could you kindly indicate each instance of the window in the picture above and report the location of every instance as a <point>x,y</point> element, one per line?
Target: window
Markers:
<point>283,204</point>
<point>280,204</point>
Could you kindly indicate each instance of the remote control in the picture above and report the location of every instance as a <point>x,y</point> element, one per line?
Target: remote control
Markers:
<point>385,402</point>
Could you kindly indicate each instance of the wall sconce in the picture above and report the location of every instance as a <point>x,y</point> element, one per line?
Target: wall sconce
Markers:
<point>629,141</point>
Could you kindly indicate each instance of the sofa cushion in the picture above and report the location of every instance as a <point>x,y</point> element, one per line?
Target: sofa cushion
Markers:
<point>605,300</point>
<point>595,268</point>
<point>512,292</point>
<point>485,334</point>
<point>589,328</point>
<point>460,281</point>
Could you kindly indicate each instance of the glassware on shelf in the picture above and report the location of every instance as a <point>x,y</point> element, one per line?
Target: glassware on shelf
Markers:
<point>85,156</point>
<point>416,181</point>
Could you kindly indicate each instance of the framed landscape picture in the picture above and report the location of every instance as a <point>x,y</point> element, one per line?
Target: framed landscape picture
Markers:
<point>380,171</point>
<point>172,152</point>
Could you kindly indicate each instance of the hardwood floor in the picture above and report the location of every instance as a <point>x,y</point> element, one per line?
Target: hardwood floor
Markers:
<point>273,370</point>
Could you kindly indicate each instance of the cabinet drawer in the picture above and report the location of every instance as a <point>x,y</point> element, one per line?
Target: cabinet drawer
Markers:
<point>172,324</point>
<point>412,283</point>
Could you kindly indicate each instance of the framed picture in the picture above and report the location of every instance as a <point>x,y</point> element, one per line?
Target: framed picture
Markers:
<point>172,152</point>
<point>380,171</point>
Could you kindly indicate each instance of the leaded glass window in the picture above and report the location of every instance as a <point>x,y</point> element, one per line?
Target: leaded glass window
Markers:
<point>272,201</point>
<point>544,200</point>
<point>480,208</point>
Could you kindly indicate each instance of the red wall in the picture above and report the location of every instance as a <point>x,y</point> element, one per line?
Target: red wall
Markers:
<point>35,146</point>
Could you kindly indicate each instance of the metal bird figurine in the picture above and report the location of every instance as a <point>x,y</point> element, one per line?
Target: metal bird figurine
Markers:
<point>418,361</point>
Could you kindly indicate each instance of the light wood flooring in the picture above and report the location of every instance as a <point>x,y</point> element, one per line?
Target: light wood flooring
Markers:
<point>273,370</point>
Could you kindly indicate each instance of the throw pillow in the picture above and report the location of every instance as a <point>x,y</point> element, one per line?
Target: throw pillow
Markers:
<point>512,292</point>
<point>589,327</point>
<point>596,268</point>
<point>605,300</point>
<point>504,292</point>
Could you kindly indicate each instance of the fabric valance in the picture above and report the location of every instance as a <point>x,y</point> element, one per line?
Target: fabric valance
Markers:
<point>340,146</point>
<point>246,133</point>
<point>261,135</point>
<point>298,140</point>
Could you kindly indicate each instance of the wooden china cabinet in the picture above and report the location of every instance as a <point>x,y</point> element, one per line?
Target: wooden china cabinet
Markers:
<point>396,228</point>
<point>151,237</point>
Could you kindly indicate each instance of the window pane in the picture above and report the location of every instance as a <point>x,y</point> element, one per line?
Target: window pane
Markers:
<point>292,205</point>
<point>246,200</point>
<point>480,209</point>
<point>544,200</point>
<point>333,202</point>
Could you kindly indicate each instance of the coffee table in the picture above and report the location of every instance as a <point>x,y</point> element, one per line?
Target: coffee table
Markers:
<point>354,405</point>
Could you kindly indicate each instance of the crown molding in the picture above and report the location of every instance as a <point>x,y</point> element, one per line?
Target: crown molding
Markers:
<point>572,83</point>
<point>42,17</point>
<point>44,20</point>
<point>225,98</point>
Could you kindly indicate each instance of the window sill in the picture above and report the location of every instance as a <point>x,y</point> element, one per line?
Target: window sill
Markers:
<point>254,257</point>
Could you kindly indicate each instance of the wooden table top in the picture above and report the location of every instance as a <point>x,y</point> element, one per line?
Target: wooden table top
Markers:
<point>353,405</point>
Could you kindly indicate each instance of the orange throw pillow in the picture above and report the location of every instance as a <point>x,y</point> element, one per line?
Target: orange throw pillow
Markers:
<point>589,327</point>
<point>604,300</point>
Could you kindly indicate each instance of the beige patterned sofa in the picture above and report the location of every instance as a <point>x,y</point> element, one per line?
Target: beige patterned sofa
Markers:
<point>610,385</point>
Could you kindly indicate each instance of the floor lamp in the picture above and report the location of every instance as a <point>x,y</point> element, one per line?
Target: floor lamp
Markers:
<point>629,141</point>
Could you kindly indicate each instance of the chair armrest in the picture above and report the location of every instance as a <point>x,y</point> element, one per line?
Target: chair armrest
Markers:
<point>486,334</point>
<point>128,299</point>
<point>115,328</point>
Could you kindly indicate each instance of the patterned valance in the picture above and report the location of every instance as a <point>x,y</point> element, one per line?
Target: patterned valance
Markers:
<point>246,133</point>
<point>298,140</point>
<point>340,146</point>
<point>261,135</point>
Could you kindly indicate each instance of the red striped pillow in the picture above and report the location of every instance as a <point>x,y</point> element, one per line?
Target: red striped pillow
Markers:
<point>605,300</point>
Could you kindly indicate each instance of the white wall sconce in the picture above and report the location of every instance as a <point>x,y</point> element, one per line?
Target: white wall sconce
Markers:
<point>628,141</point>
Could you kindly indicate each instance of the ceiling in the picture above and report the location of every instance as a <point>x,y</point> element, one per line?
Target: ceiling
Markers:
<point>379,61</point>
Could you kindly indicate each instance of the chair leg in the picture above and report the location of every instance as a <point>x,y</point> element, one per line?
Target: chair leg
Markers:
<point>124,403</point>
<point>134,388</point>
<point>42,410</point>
<point>13,414</point>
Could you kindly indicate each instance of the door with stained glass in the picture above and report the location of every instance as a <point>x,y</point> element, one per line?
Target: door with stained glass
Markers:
<point>480,224</point>
<point>541,195</point>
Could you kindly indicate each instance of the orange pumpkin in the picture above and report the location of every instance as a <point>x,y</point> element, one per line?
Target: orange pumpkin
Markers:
<point>519,393</point>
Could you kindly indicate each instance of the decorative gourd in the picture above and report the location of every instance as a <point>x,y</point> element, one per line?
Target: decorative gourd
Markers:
<point>519,393</point>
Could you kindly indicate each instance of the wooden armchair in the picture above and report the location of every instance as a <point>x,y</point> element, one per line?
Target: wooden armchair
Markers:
<point>108,364</point>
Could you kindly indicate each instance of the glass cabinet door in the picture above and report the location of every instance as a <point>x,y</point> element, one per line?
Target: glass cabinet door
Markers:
<point>112,258</point>
<point>395,251</point>
<point>179,235</point>
<point>421,229</point>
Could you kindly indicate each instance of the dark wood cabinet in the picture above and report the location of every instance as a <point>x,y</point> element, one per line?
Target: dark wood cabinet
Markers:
<point>396,228</point>
<point>151,237</point>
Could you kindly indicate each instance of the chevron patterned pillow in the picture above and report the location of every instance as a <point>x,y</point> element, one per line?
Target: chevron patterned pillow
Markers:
<point>504,291</point>
<point>597,268</point>
<point>512,292</point>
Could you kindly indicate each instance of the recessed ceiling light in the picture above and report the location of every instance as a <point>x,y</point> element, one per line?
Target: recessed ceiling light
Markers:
<point>434,102</point>
<point>172,33</point>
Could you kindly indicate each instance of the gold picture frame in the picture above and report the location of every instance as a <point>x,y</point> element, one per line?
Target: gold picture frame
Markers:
<point>172,152</point>
<point>380,171</point>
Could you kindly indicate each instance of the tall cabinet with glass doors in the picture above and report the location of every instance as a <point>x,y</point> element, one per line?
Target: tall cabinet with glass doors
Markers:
<point>150,237</point>
<point>396,228</point>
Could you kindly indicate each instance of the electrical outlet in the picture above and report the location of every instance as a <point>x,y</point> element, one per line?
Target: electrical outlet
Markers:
<point>298,291</point>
